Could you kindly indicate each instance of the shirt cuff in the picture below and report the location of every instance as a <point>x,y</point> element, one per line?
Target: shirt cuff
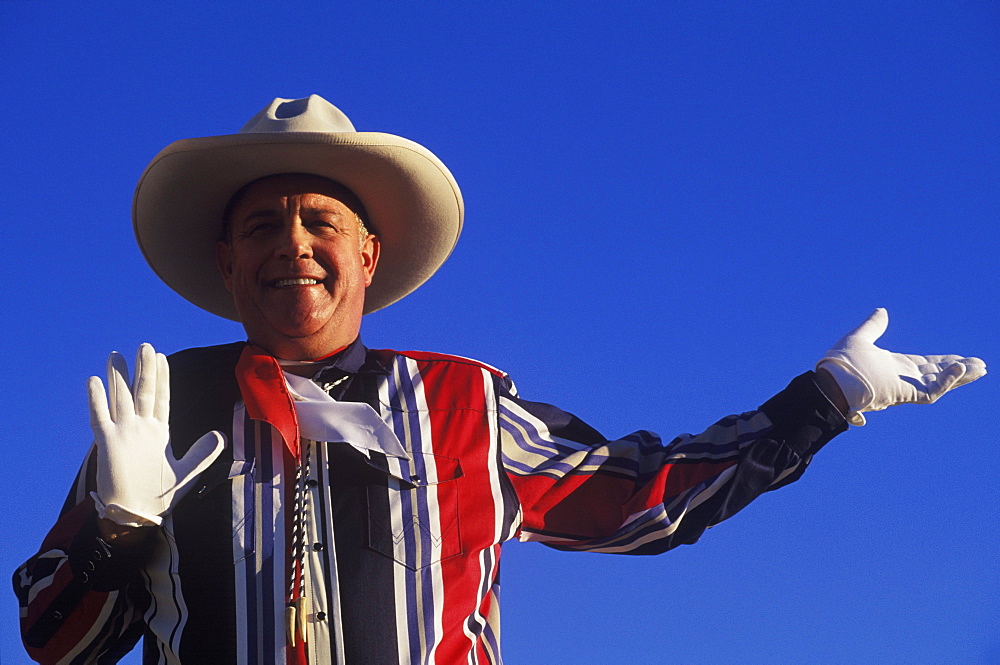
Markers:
<point>803,416</point>
<point>100,566</point>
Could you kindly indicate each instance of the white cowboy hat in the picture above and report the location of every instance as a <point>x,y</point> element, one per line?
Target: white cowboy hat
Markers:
<point>412,200</point>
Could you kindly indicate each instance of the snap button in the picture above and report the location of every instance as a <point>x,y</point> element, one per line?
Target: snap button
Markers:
<point>318,547</point>
<point>312,482</point>
<point>320,616</point>
<point>57,615</point>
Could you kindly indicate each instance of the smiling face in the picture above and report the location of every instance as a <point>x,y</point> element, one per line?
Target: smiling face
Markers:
<point>296,265</point>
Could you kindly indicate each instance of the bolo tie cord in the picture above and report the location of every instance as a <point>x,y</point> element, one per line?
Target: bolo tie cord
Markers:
<point>297,609</point>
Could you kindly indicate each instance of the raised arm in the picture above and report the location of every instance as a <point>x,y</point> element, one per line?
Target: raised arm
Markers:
<point>81,595</point>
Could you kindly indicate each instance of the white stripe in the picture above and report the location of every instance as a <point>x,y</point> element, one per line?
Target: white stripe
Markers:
<point>43,583</point>
<point>727,435</point>
<point>490,400</point>
<point>241,535</point>
<point>413,519</point>
<point>274,617</point>
<point>783,475</point>
<point>250,528</point>
<point>399,572</point>
<point>541,436</point>
<point>168,613</point>
<point>320,640</point>
<point>430,602</point>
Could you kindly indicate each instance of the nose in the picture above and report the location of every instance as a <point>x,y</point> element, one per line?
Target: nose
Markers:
<point>294,243</point>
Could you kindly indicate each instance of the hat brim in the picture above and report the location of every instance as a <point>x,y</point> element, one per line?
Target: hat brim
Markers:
<point>413,203</point>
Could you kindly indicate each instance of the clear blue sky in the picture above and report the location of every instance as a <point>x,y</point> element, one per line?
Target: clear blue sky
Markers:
<point>672,210</point>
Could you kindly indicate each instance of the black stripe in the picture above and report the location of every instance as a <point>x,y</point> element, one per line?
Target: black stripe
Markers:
<point>203,390</point>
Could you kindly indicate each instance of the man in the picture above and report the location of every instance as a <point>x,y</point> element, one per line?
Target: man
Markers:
<point>299,498</point>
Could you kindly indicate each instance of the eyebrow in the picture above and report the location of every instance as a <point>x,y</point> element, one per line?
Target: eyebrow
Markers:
<point>323,211</point>
<point>260,212</point>
<point>278,212</point>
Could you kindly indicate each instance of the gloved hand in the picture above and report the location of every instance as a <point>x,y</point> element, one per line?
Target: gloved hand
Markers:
<point>873,379</point>
<point>138,479</point>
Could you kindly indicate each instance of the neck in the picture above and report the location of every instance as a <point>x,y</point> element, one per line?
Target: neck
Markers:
<point>302,350</point>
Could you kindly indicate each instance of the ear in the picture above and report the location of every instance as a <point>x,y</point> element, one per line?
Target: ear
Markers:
<point>369,256</point>
<point>224,261</point>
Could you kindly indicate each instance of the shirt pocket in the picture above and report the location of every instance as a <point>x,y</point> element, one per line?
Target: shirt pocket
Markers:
<point>230,491</point>
<point>246,496</point>
<point>413,518</point>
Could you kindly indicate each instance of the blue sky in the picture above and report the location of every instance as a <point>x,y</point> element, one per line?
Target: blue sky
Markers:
<point>671,211</point>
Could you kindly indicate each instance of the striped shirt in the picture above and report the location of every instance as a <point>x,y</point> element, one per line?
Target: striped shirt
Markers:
<point>402,551</point>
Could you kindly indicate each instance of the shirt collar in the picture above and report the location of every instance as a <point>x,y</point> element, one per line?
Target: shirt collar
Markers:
<point>354,359</point>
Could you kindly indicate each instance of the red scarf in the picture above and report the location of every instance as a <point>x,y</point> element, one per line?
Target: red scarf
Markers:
<point>266,395</point>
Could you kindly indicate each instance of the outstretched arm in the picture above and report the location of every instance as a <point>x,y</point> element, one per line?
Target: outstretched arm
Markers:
<point>640,495</point>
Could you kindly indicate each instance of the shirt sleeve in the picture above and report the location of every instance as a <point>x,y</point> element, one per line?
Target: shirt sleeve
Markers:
<point>80,598</point>
<point>637,495</point>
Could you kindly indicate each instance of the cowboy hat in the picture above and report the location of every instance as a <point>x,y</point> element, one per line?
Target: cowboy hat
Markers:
<point>412,200</point>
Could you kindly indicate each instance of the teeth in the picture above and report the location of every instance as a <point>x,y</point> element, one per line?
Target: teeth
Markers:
<point>296,282</point>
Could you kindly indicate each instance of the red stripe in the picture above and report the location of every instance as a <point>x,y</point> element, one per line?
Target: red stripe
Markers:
<point>427,356</point>
<point>600,504</point>
<point>70,523</point>
<point>75,627</point>
<point>463,434</point>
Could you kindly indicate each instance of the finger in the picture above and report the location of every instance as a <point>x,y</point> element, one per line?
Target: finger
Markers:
<point>947,379</point>
<point>119,396</point>
<point>200,456</point>
<point>873,327</point>
<point>162,409</point>
<point>942,360</point>
<point>144,385</point>
<point>974,369</point>
<point>100,417</point>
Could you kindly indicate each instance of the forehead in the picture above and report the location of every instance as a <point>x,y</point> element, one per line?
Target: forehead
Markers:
<point>273,191</point>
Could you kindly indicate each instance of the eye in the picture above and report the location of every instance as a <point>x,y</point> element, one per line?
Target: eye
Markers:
<point>324,224</point>
<point>257,229</point>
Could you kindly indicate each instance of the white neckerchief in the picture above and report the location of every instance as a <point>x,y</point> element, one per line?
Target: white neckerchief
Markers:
<point>322,418</point>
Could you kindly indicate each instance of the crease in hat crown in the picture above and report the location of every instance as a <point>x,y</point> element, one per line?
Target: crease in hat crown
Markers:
<point>412,200</point>
<point>309,114</point>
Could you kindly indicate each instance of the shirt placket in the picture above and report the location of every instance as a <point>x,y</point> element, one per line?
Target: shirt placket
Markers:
<point>326,643</point>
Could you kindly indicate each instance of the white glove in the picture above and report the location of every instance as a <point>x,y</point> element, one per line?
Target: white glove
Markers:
<point>873,379</point>
<point>138,479</point>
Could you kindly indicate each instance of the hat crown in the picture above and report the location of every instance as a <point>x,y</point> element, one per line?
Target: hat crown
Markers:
<point>309,114</point>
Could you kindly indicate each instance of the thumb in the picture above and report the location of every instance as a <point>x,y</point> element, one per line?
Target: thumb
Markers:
<point>200,456</point>
<point>873,327</point>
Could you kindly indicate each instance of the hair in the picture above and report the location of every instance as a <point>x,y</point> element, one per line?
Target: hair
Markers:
<point>356,206</point>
